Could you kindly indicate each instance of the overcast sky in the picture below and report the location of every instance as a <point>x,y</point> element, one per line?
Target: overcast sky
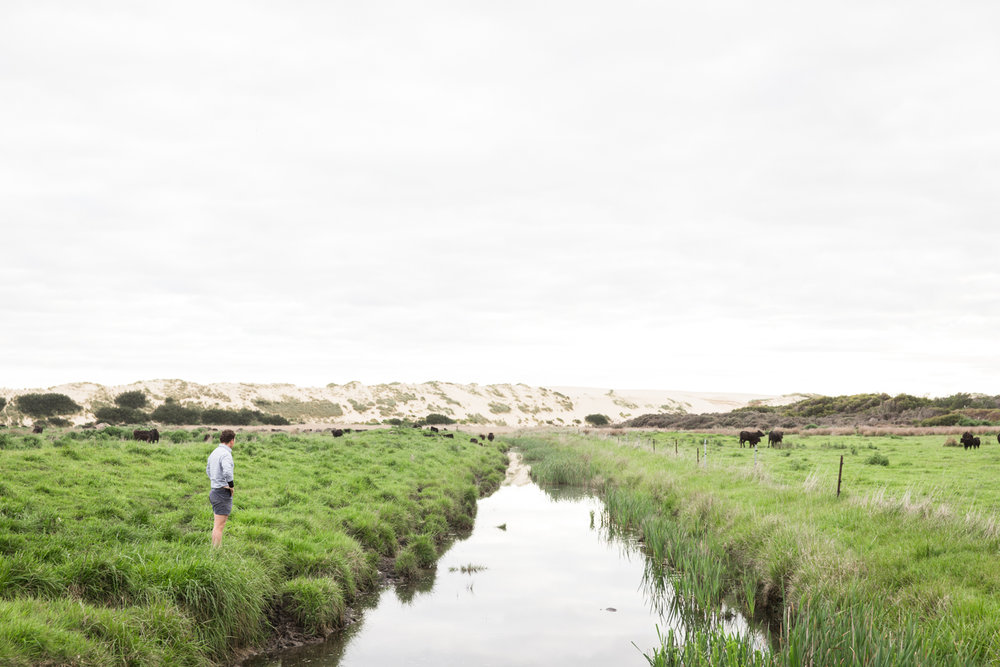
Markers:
<point>719,196</point>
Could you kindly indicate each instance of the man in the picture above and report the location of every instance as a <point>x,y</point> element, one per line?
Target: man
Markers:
<point>220,474</point>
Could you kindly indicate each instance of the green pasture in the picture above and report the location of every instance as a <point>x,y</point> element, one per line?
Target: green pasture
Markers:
<point>903,568</point>
<point>105,551</point>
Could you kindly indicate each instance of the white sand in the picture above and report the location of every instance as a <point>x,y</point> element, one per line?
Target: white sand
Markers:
<point>510,405</point>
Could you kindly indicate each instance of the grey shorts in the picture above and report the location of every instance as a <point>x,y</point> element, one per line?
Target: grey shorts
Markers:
<point>222,501</point>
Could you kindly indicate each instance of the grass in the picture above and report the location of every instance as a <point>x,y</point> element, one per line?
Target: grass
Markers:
<point>104,542</point>
<point>294,409</point>
<point>902,568</point>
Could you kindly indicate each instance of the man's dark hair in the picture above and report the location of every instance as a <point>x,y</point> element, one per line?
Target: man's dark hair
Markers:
<point>227,436</point>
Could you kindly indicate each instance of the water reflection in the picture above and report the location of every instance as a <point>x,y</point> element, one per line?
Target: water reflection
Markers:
<point>555,586</point>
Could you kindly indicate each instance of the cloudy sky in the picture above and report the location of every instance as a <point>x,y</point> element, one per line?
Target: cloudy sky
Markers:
<point>729,196</point>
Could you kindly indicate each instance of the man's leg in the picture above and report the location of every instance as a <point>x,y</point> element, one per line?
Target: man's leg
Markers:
<point>220,524</point>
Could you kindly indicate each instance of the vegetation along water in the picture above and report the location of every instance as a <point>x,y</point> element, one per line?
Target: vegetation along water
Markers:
<point>903,568</point>
<point>104,542</point>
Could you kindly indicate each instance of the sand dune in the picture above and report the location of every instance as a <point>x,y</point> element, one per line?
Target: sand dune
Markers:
<point>496,404</point>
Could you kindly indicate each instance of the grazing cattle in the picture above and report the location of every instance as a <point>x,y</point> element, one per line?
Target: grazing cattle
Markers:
<point>998,437</point>
<point>449,435</point>
<point>37,429</point>
<point>968,440</point>
<point>975,442</point>
<point>434,429</point>
<point>490,437</point>
<point>482,437</point>
<point>753,438</point>
<point>473,441</point>
<point>337,432</point>
<point>140,435</point>
<point>774,438</point>
<point>154,435</point>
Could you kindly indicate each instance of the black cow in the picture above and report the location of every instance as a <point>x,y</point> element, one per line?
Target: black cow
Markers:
<point>774,438</point>
<point>490,437</point>
<point>154,435</point>
<point>449,435</point>
<point>473,441</point>
<point>38,429</point>
<point>752,438</point>
<point>434,429</point>
<point>337,432</point>
<point>968,440</point>
<point>142,436</point>
<point>975,442</point>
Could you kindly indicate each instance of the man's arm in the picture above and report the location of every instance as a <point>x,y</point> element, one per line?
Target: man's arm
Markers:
<point>227,472</point>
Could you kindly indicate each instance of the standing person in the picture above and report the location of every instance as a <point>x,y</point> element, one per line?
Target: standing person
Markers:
<point>220,474</point>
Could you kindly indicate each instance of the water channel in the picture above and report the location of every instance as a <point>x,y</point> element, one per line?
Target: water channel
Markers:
<point>540,581</point>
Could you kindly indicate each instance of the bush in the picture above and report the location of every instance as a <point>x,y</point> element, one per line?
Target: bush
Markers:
<point>950,419</point>
<point>46,405</point>
<point>222,416</point>
<point>597,420</point>
<point>175,413</point>
<point>435,418</point>
<point>3,402</point>
<point>131,399</point>
<point>121,415</point>
<point>273,420</point>
<point>877,460</point>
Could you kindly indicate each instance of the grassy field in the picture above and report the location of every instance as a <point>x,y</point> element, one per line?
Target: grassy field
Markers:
<point>902,568</point>
<point>104,542</point>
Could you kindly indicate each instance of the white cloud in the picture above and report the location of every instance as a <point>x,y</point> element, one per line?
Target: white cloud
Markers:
<point>713,196</point>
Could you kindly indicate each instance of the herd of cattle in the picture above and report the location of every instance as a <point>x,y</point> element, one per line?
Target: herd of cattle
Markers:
<point>747,438</point>
<point>752,438</point>
<point>970,441</point>
<point>152,435</point>
<point>476,441</point>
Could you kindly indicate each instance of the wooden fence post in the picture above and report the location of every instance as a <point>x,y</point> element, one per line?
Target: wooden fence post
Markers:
<point>840,474</point>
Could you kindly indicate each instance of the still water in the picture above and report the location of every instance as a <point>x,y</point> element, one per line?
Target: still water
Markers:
<point>544,583</point>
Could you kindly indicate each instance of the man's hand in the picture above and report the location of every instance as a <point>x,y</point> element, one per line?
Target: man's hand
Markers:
<point>232,491</point>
